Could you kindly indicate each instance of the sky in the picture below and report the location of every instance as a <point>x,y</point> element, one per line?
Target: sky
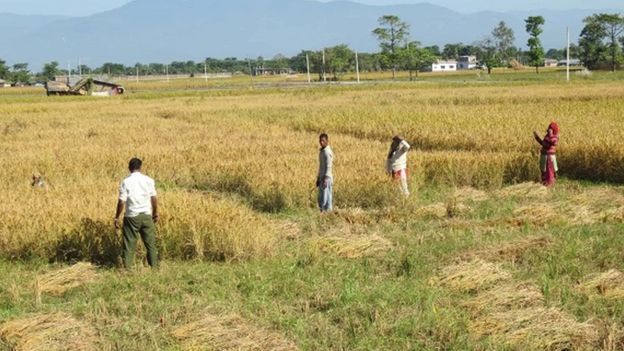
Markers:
<point>88,7</point>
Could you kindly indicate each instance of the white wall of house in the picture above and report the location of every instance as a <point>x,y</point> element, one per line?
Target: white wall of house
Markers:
<point>444,66</point>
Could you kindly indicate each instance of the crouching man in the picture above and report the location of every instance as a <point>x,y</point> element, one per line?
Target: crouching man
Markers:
<point>138,194</point>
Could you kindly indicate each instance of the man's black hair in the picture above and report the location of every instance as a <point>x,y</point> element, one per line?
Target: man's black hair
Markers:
<point>135,164</point>
<point>324,136</point>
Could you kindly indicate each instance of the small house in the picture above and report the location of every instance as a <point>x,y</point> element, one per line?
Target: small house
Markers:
<point>467,62</point>
<point>573,62</point>
<point>4,84</point>
<point>550,63</point>
<point>444,66</point>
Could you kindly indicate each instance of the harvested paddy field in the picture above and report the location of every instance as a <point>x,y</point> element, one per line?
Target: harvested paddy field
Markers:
<point>480,257</point>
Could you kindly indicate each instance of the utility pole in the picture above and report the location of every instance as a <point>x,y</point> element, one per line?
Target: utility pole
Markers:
<point>206,72</point>
<point>308,66</point>
<point>167,71</point>
<point>79,67</point>
<point>68,73</point>
<point>137,73</point>
<point>357,67</point>
<point>324,76</point>
<point>568,57</point>
<point>250,72</point>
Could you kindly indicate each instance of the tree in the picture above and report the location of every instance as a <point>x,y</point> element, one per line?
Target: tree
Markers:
<point>50,70</point>
<point>339,59</point>
<point>593,50</point>
<point>488,54</point>
<point>20,73</point>
<point>497,48</point>
<point>414,58</point>
<point>4,70</point>
<point>391,34</point>
<point>613,25</point>
<point>452,51</point>
<point>503,40</point>
<point>536,51</point>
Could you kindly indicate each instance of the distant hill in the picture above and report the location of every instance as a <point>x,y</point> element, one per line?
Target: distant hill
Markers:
<point>165,30</point>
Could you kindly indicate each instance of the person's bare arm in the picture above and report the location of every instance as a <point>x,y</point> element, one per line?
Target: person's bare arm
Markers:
<point>155,215</point>
<point>120,207</point>
<point>537,138</point>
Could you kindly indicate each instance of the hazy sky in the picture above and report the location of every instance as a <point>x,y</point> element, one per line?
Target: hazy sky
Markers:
<point>87,7</point>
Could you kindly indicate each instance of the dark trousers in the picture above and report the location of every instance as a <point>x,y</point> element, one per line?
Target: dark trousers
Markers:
<point>142,225</point>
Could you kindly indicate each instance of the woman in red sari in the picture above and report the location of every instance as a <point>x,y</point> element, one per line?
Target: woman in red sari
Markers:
<point>548,155</point>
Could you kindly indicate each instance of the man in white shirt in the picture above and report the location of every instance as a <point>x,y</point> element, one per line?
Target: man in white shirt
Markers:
<point>138,194</point>
<point>325,177</point>
<point>396,164</point>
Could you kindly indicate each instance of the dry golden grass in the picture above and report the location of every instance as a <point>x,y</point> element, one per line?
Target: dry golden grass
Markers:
<point>474,275</point>
<point>470,194</point>
<point>59,281</point>
<point>536,328</point>
<point>524,191</point>
<point>257,149</point>
<point>229,332</point>
<point>353,246</point>
<point>608,285</point>
<point>505,297</point>
<point>49,332</point>
<point>511,250</point>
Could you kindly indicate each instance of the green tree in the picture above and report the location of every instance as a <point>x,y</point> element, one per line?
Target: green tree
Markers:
<point>613,25</point>
<point>488,54</point>
<point>536,51</point>
<point>20,73</point>
<point>593,49</point>
<point>503,40</point>
<point>414,58</point>
<point>452,51</point>
<point>4,70</point>
<point>50,70</point>
<point>391,34</point>
<point>339,60</point>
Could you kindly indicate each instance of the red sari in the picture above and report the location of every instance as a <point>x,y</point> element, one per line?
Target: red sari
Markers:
<point>548,156</point>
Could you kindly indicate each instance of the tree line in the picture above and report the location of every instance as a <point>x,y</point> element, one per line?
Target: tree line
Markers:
<point>599,47</point>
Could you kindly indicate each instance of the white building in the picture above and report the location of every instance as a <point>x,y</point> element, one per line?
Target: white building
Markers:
<point>467,62</point>
<point>550,63</point>
<point>444,66</point>
<point>4,84</point>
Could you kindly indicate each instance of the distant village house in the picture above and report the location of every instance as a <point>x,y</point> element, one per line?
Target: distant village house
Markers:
<point>550,63</point>
<point>444,66</point>
<point>467,62</point>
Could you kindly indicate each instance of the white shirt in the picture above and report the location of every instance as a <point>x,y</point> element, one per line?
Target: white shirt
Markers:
<point>398,160</point>
<point>326,163</point>
<point>136,191</point>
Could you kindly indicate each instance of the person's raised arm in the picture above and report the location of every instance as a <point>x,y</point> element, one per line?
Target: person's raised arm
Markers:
<point>537,138</point>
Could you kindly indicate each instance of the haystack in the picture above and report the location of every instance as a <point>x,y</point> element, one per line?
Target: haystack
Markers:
<point>470,194</point>
<point>535,328</point>
<point>49,332</point>
<point>472,275</point>
<point>608,285</point>
<point>524,190</point>
<point>512,250</point>
<point>535,215</point>
<point>441,210</point>
<point>353,246</point>
<point>506,297</point>
<point>229,332</point>
<point>62,280</point>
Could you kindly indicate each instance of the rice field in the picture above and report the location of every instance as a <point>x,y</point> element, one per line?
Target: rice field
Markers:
<point>480,257</point>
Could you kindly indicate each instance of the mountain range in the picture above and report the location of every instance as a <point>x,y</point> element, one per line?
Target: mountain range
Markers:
<point>164,30</point>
